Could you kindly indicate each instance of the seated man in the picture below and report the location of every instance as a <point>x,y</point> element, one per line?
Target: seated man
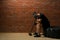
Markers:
<point>40,19</point>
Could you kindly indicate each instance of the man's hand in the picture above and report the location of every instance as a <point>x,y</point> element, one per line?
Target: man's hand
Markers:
<point>38,20</point>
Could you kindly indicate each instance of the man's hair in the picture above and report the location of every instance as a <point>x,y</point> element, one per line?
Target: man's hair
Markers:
<point>37,16</point>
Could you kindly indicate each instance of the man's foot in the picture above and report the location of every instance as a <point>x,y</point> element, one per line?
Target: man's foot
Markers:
<point>30,34</point>
<point>45,35</point>
<point>36,35</point>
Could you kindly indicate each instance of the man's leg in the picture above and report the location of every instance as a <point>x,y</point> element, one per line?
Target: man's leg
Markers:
<point>37,27</point>
<point>37,33</point>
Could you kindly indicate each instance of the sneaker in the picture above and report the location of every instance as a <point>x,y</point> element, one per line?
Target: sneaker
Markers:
<point>45,35</point>
<point>36,35</point>
<point>30,34</point>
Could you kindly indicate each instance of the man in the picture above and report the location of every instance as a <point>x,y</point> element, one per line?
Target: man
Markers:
<point>40,19</point>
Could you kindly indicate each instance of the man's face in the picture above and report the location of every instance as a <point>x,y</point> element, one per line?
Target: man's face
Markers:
<point>38,14</point>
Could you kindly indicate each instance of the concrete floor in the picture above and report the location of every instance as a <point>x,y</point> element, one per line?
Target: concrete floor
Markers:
<point>21,36</point>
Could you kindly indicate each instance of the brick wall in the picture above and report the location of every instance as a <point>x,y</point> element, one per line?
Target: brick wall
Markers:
<point>16,15</point>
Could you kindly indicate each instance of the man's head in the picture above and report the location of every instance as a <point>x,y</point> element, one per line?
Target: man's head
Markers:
<point>37,15</point>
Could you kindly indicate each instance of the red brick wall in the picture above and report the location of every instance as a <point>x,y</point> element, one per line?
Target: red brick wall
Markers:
<point>16,15</point>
